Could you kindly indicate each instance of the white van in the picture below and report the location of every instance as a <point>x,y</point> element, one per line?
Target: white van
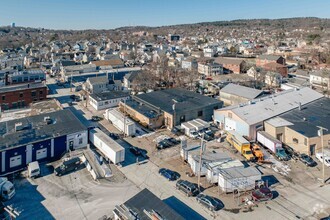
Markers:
<point>319,156</point>
<point>33,169</point>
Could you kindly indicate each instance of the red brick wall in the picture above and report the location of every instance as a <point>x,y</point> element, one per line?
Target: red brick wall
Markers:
<point>232,67</point>
<point>15,97</point>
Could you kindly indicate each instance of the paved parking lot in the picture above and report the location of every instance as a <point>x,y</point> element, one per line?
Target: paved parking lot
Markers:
<point>72,196</point>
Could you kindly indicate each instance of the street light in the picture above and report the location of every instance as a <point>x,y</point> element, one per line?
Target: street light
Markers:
<point>320,133</point>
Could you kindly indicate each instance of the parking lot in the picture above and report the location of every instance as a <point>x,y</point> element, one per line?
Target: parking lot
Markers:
<point>72,196</point>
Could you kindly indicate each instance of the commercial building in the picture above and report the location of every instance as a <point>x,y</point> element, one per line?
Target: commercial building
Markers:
<point>145,205</point>
<point>298,128</point>
<point>21,95</point>
<point>26,76</point>
<point>40,138</point>
<point>233,94</point>
<point>249,118</point>
<point>177,105</point>
<point>106,100</point>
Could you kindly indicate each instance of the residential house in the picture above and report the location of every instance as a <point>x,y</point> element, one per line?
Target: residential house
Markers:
<point>265,59</point>
<point>209,68</point>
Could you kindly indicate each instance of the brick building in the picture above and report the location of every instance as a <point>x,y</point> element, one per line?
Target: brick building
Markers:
<point>276,67</point>
<point>231,65</point>
<point>19,96</point>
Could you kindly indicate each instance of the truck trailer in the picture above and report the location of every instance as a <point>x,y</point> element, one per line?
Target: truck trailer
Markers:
<point>107,146</point>
<point>272,144</point>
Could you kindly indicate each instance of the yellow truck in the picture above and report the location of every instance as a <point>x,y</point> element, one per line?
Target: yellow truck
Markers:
<point>241,144</point>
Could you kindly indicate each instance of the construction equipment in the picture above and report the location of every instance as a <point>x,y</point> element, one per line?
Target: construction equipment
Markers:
<point>256,150</point>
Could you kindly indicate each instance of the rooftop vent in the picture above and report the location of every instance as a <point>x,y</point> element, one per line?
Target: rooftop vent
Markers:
<point>48,120</point>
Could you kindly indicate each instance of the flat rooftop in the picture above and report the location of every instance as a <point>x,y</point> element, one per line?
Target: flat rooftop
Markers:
<point>184,100</point>
<point>142,109</point>
<point>103,96</point>
<point>242,91</point>
<point>19,87</point>
<point>35,129</point>
<point>306,120</point>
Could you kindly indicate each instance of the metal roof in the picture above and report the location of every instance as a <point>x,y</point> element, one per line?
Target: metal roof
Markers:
<point>34,128</point>
<point>241,91</point>
<point>22,87</point>
<point>278,122</point>
<point>273,105</point>
<point>239,172</point>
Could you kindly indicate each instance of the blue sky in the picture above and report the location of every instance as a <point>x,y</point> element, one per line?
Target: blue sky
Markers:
<point>107,14</point>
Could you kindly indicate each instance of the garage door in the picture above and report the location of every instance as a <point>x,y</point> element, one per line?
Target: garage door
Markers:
<point>41,154</point>
<point>15,161</point>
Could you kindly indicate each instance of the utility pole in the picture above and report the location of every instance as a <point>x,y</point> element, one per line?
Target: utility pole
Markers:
<point>320,132</point>
<point>71,83</point>
<point>124,118</point>
<point>200,163</point>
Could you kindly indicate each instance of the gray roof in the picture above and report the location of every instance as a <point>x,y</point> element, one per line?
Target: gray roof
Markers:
<point>146,200</point>
<point>306,120</point>
<point>34,128</point>
<point>143,109</point>
<point>273,105</point>
<point>184,100</point>
<point>241,91</point>
<point>98,80</point>
<point>269,57</point>
<point>21,87</point>
<point>109,95</point>
<point>239,172</point>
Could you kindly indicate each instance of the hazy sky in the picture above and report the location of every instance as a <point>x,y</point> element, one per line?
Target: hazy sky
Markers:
<point>107,14</point>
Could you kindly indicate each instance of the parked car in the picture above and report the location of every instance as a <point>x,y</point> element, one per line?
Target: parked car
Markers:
<point>262,194</point>
<point>169,174</point>
<point>187,187</point>
<point>163,144</point>
<point>96,118</point>
<point>209,202</point>
<point>135,150</point>
<point>319,156</point>
<point>194,135</point>
<point>68,166</point>
<point>173,141</point>
<point>307,160</point>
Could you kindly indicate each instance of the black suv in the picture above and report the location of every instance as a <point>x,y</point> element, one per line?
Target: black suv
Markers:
<point>68,166</point>
<point>187,187</point>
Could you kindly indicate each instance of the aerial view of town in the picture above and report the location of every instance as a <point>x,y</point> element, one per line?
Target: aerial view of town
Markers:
<point>165,110</point>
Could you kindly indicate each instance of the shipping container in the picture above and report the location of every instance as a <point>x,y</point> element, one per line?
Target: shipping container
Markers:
<point>120,121</point>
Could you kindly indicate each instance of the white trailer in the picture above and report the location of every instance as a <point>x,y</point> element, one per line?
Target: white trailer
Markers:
<point>268,141</point>
<point>238,179</point>
<point>107,146</point>
<point>124,124</point>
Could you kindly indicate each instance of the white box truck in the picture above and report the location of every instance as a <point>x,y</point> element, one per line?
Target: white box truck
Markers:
<point>7,189</point>
<point>271,143</point>
<point>107,146</point>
